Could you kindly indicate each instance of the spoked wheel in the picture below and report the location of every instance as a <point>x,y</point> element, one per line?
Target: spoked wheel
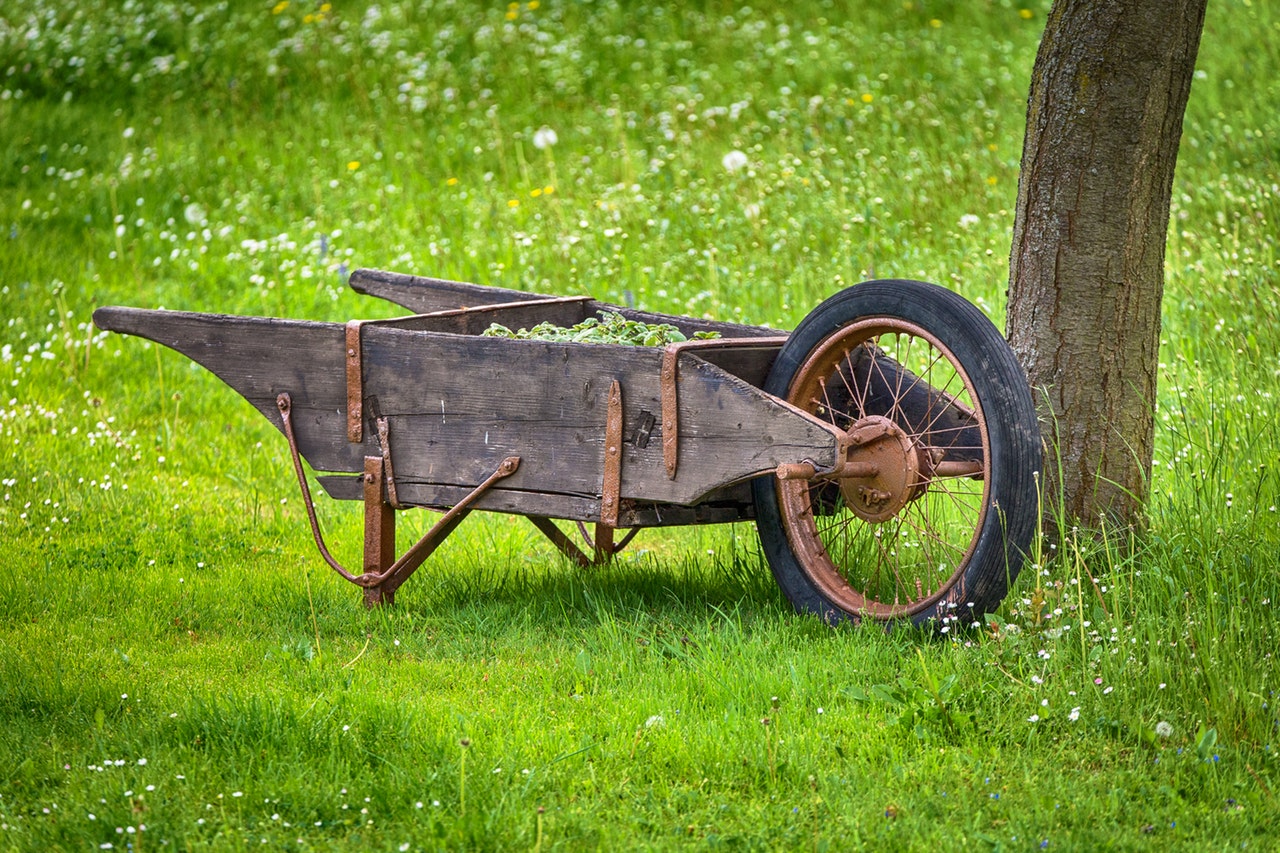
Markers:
<point>930,515</point>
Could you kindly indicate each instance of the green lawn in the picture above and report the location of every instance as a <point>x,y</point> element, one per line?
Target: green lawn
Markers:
<point>178,668</point>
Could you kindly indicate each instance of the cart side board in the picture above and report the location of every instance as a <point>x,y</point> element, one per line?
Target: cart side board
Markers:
<point>455,406</point>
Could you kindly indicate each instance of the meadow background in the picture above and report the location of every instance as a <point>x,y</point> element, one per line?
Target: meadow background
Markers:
<point>179,670</point>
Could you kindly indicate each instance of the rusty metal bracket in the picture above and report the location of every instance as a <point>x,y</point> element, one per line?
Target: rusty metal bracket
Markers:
<point>611,483</point>
<point>355,383</point>
<point>379,531</point>
<point>670,409</point>
<point>602,546</point>
<point>384,442</point>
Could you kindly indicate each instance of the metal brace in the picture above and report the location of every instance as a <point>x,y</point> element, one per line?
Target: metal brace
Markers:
<point>355,383</point>
<point>670,410</point>
<point>379,579</point>
<point>384,441</point>
<point>611,485</point>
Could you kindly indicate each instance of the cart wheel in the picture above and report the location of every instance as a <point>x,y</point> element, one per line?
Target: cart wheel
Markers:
<point>936,523</point>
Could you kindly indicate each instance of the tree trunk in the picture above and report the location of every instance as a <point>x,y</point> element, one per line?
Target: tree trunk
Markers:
<point>1104,118</point>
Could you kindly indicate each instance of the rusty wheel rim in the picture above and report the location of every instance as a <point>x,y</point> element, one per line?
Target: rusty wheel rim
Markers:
<point>905,553</point>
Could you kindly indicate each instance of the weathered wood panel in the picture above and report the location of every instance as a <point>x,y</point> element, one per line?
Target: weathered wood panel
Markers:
<point>425,295</point>
<point>732,503</point>
<point>746,358</point>
<point>458,405</point>
<point>259,358</point>
<point>564,312</point>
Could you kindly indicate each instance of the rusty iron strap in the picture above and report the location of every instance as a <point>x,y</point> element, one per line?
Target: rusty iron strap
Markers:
<point>384,441</point>
<point>611,484</point>
<point>355,384</point>
<point>285,404</point>
<point>670,410</point>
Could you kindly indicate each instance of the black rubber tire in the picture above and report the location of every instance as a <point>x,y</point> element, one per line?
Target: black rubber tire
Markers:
<point>1007,506</point>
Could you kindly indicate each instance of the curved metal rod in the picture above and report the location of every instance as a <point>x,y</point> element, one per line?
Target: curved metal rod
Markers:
<point>285,405</point>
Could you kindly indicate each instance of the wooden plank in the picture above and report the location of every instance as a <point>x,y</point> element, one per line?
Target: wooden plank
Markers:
<point>426,295</point>
<point>564,312</point>
<point>749,362</point>
<point>730,504</point>
<point>259,358</point>
<point>746,358</point>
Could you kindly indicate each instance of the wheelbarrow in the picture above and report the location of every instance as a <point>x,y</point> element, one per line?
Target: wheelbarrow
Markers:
<point>887,449</point>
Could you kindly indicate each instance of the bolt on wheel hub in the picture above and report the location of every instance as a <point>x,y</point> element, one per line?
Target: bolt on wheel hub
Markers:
<point>897,481</point>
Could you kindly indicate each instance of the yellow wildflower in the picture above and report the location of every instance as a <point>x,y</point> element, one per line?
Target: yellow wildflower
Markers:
<point>353,165</point>
<point>867,98</point>
<point>280,7</point>
<point>1025,14</point>
<point>453,182</point>
<point>514,203</point>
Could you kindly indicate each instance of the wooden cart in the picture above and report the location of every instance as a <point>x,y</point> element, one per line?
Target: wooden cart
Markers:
<point>887,448</point>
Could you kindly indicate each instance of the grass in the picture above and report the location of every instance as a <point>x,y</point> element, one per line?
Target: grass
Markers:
<point>177,670</point>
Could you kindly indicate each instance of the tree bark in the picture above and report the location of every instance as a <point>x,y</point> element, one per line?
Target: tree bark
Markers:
<point>1104,119</point>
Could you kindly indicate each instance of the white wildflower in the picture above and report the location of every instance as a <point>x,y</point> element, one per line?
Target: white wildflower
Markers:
<point>544,137</point>
<point>734,160</point>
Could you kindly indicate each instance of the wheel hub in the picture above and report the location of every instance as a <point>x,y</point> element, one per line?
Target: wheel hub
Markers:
<point>897,481</point>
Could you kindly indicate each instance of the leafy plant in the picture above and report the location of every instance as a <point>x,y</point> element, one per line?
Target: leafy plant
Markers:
<point>609,328</point>
<point>920,708</point>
